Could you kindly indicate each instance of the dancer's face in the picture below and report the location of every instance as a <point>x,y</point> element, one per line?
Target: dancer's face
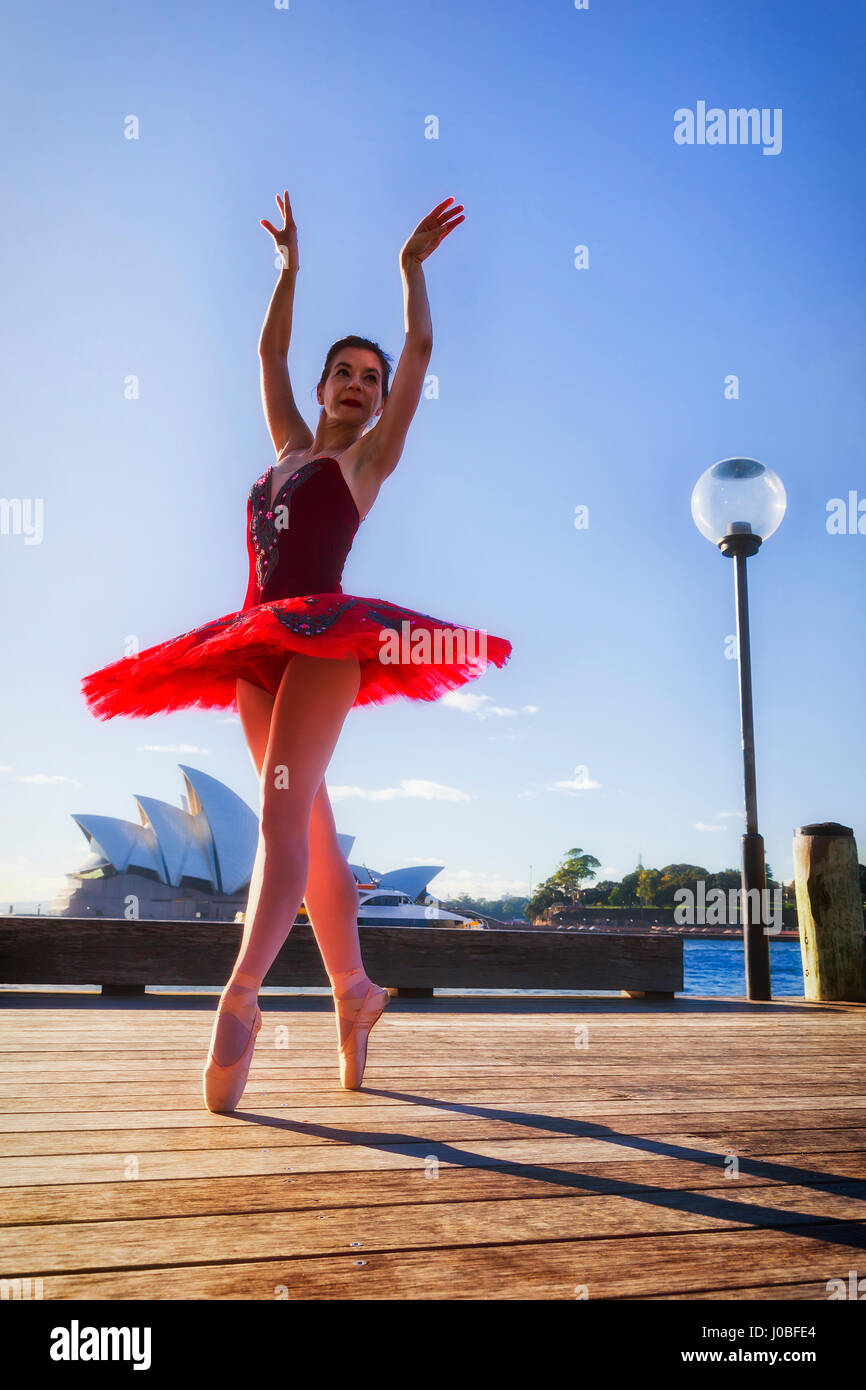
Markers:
<point>353,389</point>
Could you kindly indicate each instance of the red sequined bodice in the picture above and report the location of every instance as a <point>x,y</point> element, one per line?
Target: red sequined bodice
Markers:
<point>298,544</point>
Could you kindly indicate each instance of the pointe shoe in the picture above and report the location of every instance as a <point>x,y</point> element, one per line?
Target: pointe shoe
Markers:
<point>365,1012</point>
<point>224,1086</point>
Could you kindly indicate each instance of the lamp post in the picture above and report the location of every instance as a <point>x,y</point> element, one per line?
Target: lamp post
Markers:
<point>737,504</point>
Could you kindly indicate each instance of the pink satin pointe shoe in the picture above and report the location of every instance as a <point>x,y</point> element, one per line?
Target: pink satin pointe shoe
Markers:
<point>365,1010</point>
<point>223,1086</point>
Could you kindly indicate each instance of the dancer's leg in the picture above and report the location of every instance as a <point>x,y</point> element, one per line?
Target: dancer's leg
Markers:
<point>255,707</point>
<point>331,896</point>
<point>332,903</point>
<point>311,704</point>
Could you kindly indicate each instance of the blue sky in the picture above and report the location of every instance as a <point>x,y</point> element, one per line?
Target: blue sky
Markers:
<point>557,387</point>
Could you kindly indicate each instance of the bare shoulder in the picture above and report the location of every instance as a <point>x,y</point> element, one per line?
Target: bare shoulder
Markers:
<point>358,457</point>
<point>350,459</point>
<point>296,455</point>
<point>358,466</point>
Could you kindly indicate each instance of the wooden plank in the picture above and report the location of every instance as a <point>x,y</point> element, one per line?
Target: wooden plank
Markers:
<point>43,1098</point>
<point>59,1118</point>
<point>125,1200</point>
<point>43,1250</point>
<point>225,1133</point>
<point>641,1267</point>
<point>810,1290</point>
<point>351,1156</point>
<point>74,950</point>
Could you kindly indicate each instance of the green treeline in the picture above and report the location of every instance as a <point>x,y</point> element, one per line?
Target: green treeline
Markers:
<point>570,886</point>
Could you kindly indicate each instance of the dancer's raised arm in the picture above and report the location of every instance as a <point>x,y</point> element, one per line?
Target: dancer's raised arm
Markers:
<point>287,426</point>
<point>383,444</point>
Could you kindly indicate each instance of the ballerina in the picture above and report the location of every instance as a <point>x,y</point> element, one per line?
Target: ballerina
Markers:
<point>301,653</point>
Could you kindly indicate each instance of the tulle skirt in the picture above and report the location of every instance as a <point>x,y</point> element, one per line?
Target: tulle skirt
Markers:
<point>401,652</point>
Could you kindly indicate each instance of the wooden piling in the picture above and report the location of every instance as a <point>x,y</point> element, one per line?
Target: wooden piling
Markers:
<point>830,912</point>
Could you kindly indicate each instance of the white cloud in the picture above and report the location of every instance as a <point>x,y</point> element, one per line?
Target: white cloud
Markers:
<point>701,825</point>
<point>41,777</point>
<point>737,815</point>
<point>577,784</point>
<point>479,705</point>
<point>464,700</point>
<point>172,748</point>
<point>409,787</point>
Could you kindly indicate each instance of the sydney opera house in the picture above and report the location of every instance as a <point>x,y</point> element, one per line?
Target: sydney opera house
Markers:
<point>196,860</point>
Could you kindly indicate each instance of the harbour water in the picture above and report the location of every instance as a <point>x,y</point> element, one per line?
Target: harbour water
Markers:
<point>718,967</point>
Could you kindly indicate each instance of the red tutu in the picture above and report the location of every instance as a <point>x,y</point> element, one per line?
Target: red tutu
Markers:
<point>401,652</point>
<point>295,603</point>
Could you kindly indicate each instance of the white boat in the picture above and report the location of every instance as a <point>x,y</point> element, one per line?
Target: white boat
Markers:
<point>399,898</point>
<point>389,907</point>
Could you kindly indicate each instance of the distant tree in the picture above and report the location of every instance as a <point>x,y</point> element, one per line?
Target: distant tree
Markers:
<point>673,877</point>
<point>504,908</point>
<point>574,870</point>
<point>647,885</point>
<point>545,897</point>
<point>512,906</point>
<point>599,894</point>
<point>563,887</point>
<point>725,879</point>
<point>625,893</point>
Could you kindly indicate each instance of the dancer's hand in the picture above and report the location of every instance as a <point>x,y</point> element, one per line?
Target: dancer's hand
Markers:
<point>428,234</point>
<point>287,238</point>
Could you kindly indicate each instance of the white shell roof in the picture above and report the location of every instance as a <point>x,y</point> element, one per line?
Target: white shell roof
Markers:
<point>181,842</point>
<point>122,843</point>
<point>412,880</point>
<point>234,828</point>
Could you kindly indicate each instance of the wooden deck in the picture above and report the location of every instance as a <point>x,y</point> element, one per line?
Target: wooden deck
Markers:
<point>488,1156</point>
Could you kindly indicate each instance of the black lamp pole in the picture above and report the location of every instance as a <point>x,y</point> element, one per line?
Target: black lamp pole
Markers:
<point>739,543</point>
